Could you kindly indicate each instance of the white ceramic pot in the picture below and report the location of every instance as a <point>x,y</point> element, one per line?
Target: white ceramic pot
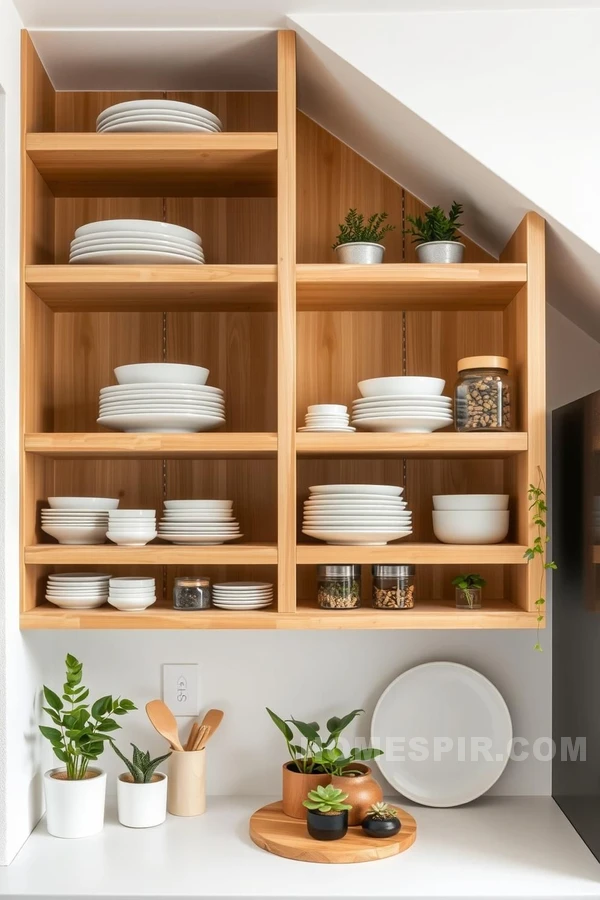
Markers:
<point>360,253</point>
<point>441,252</point>
<point>142,805</point>
<point>74,809</point>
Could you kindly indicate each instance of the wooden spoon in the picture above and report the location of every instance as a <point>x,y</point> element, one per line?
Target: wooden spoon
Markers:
<point>192,736</point>
<point>212,720</point>
<point>164,721</point>
<point>201,737</point>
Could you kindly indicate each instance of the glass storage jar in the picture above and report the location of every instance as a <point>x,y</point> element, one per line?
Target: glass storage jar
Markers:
<point>393,587</point>
<point>191,592</point>
<point>484,395</point>
<point>338,587</point>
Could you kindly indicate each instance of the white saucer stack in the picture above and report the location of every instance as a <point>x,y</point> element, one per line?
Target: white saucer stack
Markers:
<point>350,514</point>
<point>241,595</point>
<point>131,593</point>
<point>135,242</point>
<point>131,527</point>
<point>77,590</point>
<point>405,404</point>
<point>205,522</point>
<point>327,417</point>
<point>157,116</point>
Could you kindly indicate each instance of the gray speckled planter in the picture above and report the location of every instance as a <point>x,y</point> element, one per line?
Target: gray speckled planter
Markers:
<point>441,252</point>
<point>360,253</point>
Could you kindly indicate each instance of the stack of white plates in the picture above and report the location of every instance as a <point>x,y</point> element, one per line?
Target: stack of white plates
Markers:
<point>161,397</point>
<point>131,593</point>
<point>327,417</point>
<point>367,514</point>
<point>131,527</point>
<point>157,115</point>
<point>77,590</point>
<point>207,522</point>
<point>78,520</point>
<point>135,242</point>
<point>403,404</point>
<point>242,595</point>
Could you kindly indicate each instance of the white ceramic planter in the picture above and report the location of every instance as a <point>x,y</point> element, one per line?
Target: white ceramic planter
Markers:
<point>360,253</point>
<point>74,809</point>
<point>440,252</point>
<point>142,805</point>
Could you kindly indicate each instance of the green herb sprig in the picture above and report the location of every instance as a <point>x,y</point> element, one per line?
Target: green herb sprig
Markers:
<point>538,509</point>
<point>354,228</point>
<point>436,226</point>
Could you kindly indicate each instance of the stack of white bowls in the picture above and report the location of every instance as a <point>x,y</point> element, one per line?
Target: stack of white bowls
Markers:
<point>135,242</point>
<point>161,397</point>
<point>78,520</point>
<point>77,590</point>
<point>131,527</point>
<point>240,595</point>
<point>131,593</point>
<point>405,404</point>
<point>207,522</point>
<point>365,514</point>
<point>157,115</point>
<point>470,518</point>
<point>327,417</point>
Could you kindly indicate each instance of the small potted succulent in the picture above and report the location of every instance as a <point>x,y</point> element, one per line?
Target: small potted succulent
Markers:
<point>360,241</point>
<point>142,791</point>
<point>381,821</point>
<point>75,794</point>
<point>468,590</point>
<point>327,816</point>
<point>437,235</point>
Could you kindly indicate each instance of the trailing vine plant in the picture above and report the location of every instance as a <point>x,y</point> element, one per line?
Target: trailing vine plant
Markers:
<point>538,509</point>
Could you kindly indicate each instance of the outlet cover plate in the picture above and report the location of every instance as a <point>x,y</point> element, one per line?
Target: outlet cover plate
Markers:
<point>180,688</point>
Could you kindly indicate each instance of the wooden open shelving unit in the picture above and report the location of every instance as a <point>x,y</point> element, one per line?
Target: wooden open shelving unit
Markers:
<point>280,326</point>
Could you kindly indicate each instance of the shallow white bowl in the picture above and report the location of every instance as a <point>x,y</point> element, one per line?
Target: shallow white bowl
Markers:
<point>470,501</point>
<point>131,604</point>
<point>198,504</point>
<point>83,503</point>
<point>132,514</point>
<point>161,373</point>
<point>137,235</point>
<point>401,386</point>
<point>470,526</point>
<point>77,602</point>
<point>79,576</point>
<point>145,225</point>
<point>134,391</point>
<point>328,409</point>
<point>132,581</point>
<point>66,534</point>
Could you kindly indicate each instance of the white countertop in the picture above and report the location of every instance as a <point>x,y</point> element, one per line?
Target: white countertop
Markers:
<point>500,847</point>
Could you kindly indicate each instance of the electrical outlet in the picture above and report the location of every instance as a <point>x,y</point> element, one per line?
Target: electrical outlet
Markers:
<point>180,688</point>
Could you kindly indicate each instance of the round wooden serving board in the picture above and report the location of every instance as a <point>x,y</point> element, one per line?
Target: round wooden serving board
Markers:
<point>272,830</point>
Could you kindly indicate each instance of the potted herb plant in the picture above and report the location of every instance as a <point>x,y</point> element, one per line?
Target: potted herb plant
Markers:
<point>381,821</point>
<point>360,241</point>
<point>75,793</point>
<point>327,816</point>
<point>437,236</point>
<point>468,590</point>
<point>142,791</point>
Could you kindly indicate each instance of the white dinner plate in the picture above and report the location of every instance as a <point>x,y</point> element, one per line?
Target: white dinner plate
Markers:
<point>328,428</point>
<point>402,414</point>
<point>77,603</point>
<point>420,425</point>
<point>140,236</point>
<point>162,406</point>
<point>388,490</point>
<point>241,585</point>
<point>161,423</point>
<point>351,537</point>
<point>152,114</point>
<point>199,529</point>
<point>143,389</point>
<point>218,406</point>
<point>76,253</point>
<point>243,597</point>
<point>243,593</point>
<point>201,517</point>
<point>226,606</point>
<point>157,126</point>
<point>133,106</point>
<point>140,225</point>
<point>442,702</point>
<point>391,503</point>
<point>197,504</point>
<point>70,577</point>
<point>209,540</point>
<point>438,402</point>
<point>385,398</point>
<point>134,257</point>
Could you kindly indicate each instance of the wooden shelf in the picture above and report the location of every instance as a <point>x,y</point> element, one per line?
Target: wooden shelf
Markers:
<point>495,614</point>
<point>154,288</point>
<point>439,446</point>
<point>414,554</point>
<point>406,286</point>
<point>152,446</point>
<point>151,555</point>
<point>48,616</point>
<point>156,165</point>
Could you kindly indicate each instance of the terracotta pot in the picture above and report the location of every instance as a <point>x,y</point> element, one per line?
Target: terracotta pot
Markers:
<point>296,786</point>
<point>362,792</point>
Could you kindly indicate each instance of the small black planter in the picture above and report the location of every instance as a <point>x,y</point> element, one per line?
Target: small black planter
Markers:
<point>322,827</point>
<point>381,828</point>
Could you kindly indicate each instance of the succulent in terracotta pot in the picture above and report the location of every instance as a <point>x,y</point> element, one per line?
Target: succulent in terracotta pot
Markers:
<point>381,821</point>
<point>327,816</point>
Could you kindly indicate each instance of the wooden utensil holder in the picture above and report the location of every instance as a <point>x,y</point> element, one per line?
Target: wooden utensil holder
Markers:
<point>187,783</point>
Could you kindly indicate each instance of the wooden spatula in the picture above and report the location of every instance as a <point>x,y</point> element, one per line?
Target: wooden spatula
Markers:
<point>212,720</point>
<point>164,721</point>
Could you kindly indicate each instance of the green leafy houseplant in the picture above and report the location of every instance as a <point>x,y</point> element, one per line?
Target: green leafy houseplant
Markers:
<point>141,767</point>
<point>329,801</point>
<point>354,229</point>
<point>81,730</point>
<point>538,509</point>
<point>436,225</point>
<point>322,755</point>
<point>466,583</point>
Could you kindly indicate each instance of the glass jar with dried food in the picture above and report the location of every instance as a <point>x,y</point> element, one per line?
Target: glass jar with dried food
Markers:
<point>483,395</point>
<point>191,592</point>
<point>338,587</point>
<point>393,587</point>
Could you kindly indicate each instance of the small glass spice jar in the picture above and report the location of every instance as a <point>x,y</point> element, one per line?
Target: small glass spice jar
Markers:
<point>483,395</point>
<point>338,587</point>
<point>191,592</point>
<point>393,587</point>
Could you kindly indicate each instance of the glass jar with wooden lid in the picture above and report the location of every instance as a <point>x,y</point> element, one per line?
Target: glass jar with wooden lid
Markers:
<point>484,394</point>
<point>191,592</point>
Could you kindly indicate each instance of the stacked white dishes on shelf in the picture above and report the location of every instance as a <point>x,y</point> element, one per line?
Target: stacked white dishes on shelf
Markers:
<point>404,404</point>
<point>206,522</point>
<point>131,527</point>
<point>131,593</point>
<point>77,590</point>
<point>157,115</point>
<point>470,518</point>
<point>365,514</point>
<point>242,595</point>
<point>161,397</point>
<point>327,417</point>
<point>135,242</point>
<point>78,520</point>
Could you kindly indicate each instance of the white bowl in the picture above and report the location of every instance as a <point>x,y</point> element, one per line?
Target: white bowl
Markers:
<point>77,602</point>
<point>161,373</point>
<point>132,514</point>
<point>198,504</point>
<point>131,604</point>
<point>71,534</point>
<point>130,540</point>
<point>69,577</point>
<point>470,501</point>
<point>401,386</point>
<point>83,503</point>
<point>488,526</point>
<point>327,409</point>
<point>132,581</point>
